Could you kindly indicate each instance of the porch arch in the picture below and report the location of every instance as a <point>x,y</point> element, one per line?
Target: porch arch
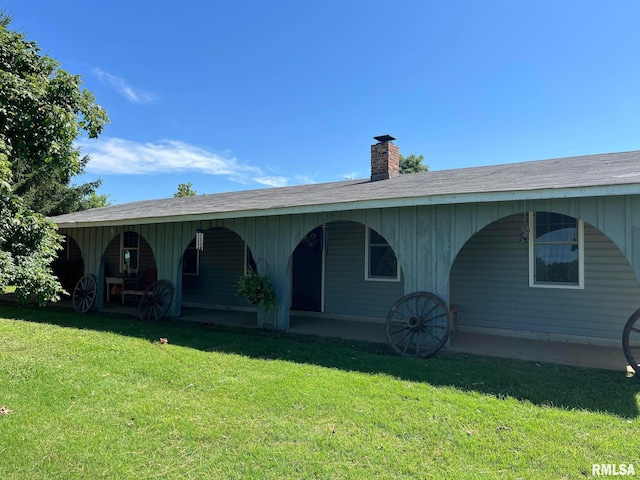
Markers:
<point>69,265</point>
<point>616,217</point>
<point>335,253</point>
<point>209,277</point>
<point>489,286</point>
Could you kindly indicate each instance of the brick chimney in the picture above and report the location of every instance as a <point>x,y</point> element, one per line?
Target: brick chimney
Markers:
<point>385,159</point>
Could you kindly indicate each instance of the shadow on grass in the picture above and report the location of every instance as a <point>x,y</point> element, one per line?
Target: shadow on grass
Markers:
<point>541,384</point>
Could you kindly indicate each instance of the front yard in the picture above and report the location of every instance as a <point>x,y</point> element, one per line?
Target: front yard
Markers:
<point>100,396</point>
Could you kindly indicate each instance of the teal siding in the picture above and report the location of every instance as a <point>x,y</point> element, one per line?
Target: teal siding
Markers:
<point>427,240</point>
<point>490,287</point>
<point>346,290</point>
<point>221,265</point>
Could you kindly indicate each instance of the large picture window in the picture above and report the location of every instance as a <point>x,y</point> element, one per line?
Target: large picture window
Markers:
<point>556,251</point>
<point>381,263</point>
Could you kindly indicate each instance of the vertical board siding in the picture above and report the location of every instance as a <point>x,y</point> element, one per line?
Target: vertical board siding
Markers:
<point>221,265</point>
<point>346,290</point>
<point>490,287</point>
<point>427,240</point>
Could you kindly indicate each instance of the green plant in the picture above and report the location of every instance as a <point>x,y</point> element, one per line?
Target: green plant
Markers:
<point>257,289</point>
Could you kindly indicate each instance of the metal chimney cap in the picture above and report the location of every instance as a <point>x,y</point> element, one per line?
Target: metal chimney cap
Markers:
<point>384,138</point>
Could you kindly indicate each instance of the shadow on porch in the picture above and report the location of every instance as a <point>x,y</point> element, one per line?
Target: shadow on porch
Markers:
<point>543,351</point>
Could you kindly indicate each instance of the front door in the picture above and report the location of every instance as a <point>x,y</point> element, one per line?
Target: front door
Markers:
<point>307,273</point>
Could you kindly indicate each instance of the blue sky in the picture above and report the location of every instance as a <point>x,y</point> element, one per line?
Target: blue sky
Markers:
<point>250,94</point>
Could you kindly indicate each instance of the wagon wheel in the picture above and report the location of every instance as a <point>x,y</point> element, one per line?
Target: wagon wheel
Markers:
<point>418,325</point>
<point>84,294</point>
<point>631,341</point>
<point>155,301</point>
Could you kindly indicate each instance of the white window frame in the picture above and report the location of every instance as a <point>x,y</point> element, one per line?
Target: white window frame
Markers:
<point>123,248</point>
<point>532,257</point>
<point>367,257</point>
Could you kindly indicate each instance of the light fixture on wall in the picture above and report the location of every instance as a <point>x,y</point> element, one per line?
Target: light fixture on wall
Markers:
<point>200,239</point>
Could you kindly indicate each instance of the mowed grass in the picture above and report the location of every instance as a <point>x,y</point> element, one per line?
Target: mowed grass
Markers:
<point>97,396</point>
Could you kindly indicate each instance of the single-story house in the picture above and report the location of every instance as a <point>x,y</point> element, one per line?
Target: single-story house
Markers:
<point>542,249</point>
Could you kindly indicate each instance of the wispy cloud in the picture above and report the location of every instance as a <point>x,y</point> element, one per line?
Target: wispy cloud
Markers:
<point>115,156</point>
<point>349,176</point>
<point>122,87</point>
<point>272,181</point>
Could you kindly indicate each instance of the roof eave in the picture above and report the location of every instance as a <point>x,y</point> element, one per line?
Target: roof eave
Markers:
<point>444,199</point>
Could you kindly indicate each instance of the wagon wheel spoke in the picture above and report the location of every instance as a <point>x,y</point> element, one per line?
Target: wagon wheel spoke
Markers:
<point>442,315</point>
<point>418,325</point>
<point>84,294</point>
<point>155,301</point>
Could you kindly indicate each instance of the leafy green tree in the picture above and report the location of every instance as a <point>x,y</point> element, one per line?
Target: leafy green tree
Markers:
<point>412,164</point>
<point>43,110</point>
<point>95,200</point>
<point>185,190</point>
<point>28,244</point>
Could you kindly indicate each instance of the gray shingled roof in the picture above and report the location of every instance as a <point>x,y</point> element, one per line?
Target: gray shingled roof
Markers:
<point>584,175</point>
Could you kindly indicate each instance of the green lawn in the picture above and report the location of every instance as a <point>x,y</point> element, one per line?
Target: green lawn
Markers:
<point>99,397</point>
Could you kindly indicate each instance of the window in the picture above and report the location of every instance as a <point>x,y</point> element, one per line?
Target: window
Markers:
<point>129,247</point>
<point>381,263</point>
<point>556,252</point>
<point>191,259</point>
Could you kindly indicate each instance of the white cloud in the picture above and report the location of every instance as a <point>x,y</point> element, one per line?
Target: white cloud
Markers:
<point>121,86</point>
<point>349,176</point>
<point>115,156</point>
<point>272,181</point>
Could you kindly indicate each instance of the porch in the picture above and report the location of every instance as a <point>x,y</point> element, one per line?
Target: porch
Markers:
<point>545,351</point>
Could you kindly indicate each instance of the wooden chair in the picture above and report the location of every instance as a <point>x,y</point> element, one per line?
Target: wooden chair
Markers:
<point>138,286</point>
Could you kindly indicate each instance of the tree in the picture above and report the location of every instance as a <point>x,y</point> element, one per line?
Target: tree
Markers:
<point>412,164</point>
<point>95,200</point>
<point>43,110</point>
<point>28,245</point>
<point>185,190</point>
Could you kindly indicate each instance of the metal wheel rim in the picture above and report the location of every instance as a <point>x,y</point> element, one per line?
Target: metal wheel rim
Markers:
<point>84,294</point>
<point>155,301</point>
<point>418,325</point>
<point>631,341</point>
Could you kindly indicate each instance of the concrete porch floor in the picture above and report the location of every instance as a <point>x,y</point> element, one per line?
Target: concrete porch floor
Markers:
<point>581,355</point>
<point>591,356</point>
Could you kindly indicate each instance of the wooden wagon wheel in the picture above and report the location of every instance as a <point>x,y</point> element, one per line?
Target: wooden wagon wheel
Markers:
<point>418,325</point>
<point>155,301</point>
<point>84,294</point>
<point>631,341</point>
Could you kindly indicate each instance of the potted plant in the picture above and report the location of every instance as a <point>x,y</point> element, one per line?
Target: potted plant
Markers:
<point>257,289</point>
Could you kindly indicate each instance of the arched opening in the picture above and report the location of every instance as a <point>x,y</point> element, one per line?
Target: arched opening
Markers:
<point>567,282</point>
<point>345,269</point>
<point>210,274</point>
<point>68,265</point>
<point>128,264</point>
